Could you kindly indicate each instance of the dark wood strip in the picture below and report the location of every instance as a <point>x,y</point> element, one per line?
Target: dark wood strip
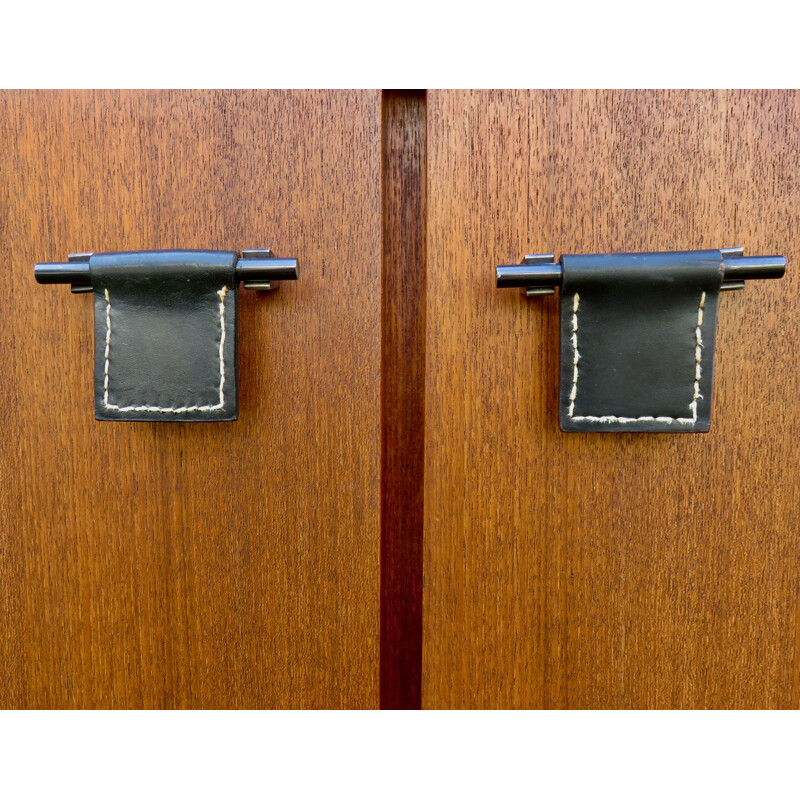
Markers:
<point>402,397</point>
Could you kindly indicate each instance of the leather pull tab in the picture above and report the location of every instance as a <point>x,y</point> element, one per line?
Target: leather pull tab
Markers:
<point>165,336</point>
<point>637,341</point>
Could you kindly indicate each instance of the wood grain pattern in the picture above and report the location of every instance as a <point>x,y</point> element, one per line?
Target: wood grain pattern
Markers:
<point>402,397</point>
<point>608,570</point>
<point>194,565</point>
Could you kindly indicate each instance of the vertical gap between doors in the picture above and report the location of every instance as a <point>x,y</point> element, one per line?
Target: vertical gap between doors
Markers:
<point>404,127</point>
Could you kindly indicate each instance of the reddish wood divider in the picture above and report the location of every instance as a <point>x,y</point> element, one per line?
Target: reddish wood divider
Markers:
<point>402,396</point>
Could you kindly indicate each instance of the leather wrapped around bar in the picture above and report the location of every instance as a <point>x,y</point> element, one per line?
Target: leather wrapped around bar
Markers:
<point>637,341</point>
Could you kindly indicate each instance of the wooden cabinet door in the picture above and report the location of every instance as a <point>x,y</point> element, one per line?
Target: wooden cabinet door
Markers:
<point>193,565</point>
<point>608,570</point>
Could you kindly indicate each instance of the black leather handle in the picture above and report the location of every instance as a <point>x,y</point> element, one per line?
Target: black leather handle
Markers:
<point>638,332</point>
<point>253,266</point>
<point>165,327</point>
<point>548,274</point>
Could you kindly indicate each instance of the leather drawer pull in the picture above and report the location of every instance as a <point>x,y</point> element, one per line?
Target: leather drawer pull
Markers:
<point>638,332</point>
<point>165,327</point>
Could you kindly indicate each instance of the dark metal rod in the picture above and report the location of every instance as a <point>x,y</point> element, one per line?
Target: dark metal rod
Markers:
<point>247,269</point>
<point>525,275</point>
<point>737,268</point>
<point>68,272</point>
<point>727,286</point>
<point>262,285</point>
<point>266,269</point>
<point>741,268</point>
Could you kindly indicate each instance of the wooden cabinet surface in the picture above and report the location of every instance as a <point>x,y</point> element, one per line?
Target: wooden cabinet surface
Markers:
<point>182,564</point>
<point>396,504</point>
<point>608,570</point>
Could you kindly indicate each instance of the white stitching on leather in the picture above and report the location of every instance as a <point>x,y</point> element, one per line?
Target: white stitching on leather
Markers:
<point>170,410</point>
<point>698,356</point>
<point>575,355</point>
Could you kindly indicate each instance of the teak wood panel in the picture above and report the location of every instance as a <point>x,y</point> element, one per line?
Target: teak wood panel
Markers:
<point>186,564</point>
<point>608,570</point>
